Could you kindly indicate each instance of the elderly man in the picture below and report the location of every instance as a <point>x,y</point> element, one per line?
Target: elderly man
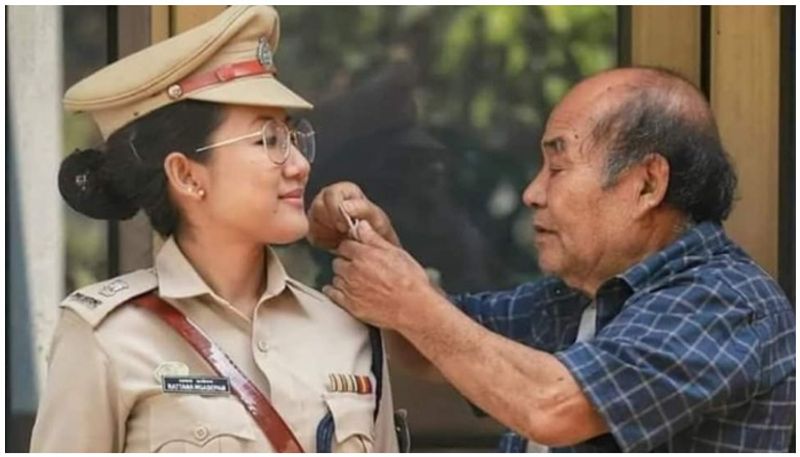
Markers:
<point>652,332</point>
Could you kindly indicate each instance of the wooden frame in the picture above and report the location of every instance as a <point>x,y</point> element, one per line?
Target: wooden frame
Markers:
<point>745,78</point>
<point>650,27</point>
<point>732,53</point>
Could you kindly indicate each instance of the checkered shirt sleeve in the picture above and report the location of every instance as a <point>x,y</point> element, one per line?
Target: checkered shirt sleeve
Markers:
<point>666,360</point>
<point>543,314</point>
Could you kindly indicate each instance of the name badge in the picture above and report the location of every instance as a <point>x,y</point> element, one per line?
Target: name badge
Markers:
<point>196,385</point>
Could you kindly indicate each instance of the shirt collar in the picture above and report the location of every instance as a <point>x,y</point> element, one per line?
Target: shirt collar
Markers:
<point>696,243</point>
<point>693,246</point>
<point>276,275</point>
<point>177,278</point>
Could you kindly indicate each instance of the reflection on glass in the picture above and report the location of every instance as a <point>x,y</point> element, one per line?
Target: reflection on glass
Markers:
<point>437,113</point>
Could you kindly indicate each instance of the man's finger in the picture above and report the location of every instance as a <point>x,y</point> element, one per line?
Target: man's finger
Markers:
<point>362,208</point>
<point>334,195</point>
<point>339,283</point>
<point>348,189</point>
<point>314,213</point>
<point>340,266</point>
<point>336,295</point>
<point>349,249</point>
<point>368,236</point>
<point>332,198</point>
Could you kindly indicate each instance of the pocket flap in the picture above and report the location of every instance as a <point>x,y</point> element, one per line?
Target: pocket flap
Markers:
<point>352,414</point>
<point>198,420</point>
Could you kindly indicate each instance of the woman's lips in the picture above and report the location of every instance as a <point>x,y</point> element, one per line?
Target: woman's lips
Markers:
<point>296,193</point>
<point>294,198</point>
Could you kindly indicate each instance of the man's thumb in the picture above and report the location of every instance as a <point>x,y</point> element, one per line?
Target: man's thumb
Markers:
<point>368,235</point>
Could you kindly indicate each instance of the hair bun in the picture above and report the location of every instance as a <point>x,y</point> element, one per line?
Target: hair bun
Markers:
<point>81,183</point>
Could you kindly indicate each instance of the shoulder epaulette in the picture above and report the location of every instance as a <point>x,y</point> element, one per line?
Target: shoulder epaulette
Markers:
<point>93,303</point>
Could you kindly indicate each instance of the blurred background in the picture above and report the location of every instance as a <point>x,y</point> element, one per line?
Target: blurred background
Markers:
<point>435,111</point>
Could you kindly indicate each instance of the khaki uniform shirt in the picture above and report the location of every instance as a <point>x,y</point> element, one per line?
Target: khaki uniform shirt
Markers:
<point>103,392</point>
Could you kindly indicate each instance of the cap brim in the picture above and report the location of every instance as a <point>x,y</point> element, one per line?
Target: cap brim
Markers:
<point>254,91</point>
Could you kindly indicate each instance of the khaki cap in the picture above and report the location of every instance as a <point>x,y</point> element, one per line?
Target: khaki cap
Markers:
<point>225,60</point>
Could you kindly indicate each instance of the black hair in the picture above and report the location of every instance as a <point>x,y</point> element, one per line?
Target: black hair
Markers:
<point>127,172</point>
<point>653,119</point>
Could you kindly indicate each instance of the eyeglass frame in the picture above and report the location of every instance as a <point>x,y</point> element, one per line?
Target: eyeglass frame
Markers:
<point>291,131</point>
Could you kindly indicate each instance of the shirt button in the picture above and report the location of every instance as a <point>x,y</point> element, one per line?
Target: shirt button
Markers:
<point>201,432</point>
<point>262,346</point>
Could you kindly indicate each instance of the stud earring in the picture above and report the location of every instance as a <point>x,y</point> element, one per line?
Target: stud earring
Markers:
<point>201,193</point>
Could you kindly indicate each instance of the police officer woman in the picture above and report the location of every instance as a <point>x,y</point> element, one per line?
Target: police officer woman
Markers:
<point>197,135</point>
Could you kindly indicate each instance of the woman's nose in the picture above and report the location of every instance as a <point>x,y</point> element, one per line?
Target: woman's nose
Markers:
<point>297,164</point>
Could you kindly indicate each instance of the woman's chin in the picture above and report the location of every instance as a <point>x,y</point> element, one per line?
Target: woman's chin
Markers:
<point>289,233</point>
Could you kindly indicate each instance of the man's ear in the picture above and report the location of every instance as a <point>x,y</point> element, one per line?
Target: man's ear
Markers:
<point>654,180</point>
<point>185,176</point>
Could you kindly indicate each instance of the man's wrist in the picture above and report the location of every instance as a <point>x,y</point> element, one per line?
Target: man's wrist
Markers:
<point>434,307</point>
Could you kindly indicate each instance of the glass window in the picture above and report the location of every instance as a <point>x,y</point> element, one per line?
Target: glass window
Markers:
<point>437,113</point>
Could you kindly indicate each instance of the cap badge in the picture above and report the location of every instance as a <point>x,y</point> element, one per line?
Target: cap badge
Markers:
<point>174,91</point>
<point>264,53</point>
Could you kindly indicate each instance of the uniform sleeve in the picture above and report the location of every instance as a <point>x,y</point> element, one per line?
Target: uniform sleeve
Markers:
<point>385,435</point>
<point>665,361</point>
<point>80,409</point>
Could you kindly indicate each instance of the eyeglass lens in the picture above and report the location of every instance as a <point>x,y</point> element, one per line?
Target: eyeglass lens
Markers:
<point>276,137</point>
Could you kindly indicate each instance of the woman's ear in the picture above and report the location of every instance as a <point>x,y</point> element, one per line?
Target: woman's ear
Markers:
<point>186,177</point>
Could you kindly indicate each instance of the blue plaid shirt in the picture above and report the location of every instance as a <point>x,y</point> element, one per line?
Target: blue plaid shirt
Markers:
<point>694,349</point>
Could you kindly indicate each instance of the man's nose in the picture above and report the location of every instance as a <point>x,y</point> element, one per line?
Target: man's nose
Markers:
<point>534,196</point>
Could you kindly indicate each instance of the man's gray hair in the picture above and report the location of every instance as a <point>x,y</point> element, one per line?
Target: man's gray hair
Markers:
<point>670,117</point>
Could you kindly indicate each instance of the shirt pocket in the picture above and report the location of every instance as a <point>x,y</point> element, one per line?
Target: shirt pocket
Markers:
<point>192,423</point>
<point>353,421</point>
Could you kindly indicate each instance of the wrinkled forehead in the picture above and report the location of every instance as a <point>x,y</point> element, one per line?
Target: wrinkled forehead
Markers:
<point>584,105</point>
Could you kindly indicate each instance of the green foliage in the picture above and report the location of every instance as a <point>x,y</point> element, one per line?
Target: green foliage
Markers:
<point>487,76</point>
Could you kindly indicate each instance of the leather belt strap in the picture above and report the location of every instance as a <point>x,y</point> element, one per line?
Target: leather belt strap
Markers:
<point>221,74</point>
<point>267,418</point>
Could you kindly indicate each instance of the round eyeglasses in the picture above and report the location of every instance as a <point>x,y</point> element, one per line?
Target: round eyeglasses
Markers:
<point>275,137</point>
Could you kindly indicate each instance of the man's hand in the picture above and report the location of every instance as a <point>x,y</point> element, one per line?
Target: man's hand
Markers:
<point>328,227</point>
<point>528,390</point>
<point>378,282</point>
